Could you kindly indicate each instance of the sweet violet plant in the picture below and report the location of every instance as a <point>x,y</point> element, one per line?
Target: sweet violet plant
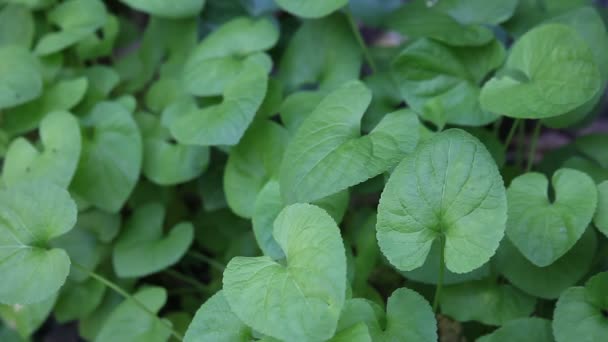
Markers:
<point>303,170</point>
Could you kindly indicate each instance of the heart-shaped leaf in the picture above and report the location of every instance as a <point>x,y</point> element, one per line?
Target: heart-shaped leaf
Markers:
<point>141,248</point>
<point>550,71</point>
<point>300,299</point>
<point>485,301</point>
<point>221,57</point>
<point>600,219</point>
<point>162,8</point>
<point>111,157</point>
<point>544,229</point>
<point>531,329</point>
<point>550,281</point>
<point>60,136</point>
<point>30,216</point>
<point>581,312</point>
<point>252,163</point>
<point>328,153</point>
<point>76,19</point>
<point>215,321</point>
<point>309,58</point>
<point>311,8</point>
<point>449,188</point>
<point>20,76</point>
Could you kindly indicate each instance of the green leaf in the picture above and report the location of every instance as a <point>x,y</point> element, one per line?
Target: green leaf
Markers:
<point>215,321</point>
<point>76,19</point>
<point>81,245</point>
<point>486,301</point>
<point>165,9</point>
<point>550,71</point>
<point>222,56</point>
<point>543,228</point>
<point>268,205</point>
<point>55,163</point>
<point>299,299</point>
<point>296,107</point>
<point>547,282</point>
<point>252,163</point>
<point>166,162</point>
<point>309,58</point>
<point>532,329</point>
<point>328,153</point>
<point>311,8</point>
<point>580,313</point>
<point>141,249</point>
<point>448,188</point>
<point>78,300</point>
<point>417,20</point>
<point>111,157</point>
<point>478,11</point>
<point>593,147</point>
<point>356,333</point>
<point>26,319</point>
<point>437,82</point>
<point>128,322</point>
<point>600,219</point>
<point>30,215</point>
<point>16,26</point>
<point>20,76</point>
<point>225,123</point>
<point>100,43</point>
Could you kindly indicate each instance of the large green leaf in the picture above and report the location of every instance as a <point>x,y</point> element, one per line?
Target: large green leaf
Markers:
<point>20,76</point>
<point>531,329</point>
<point>252,163</point>
<point>328,153</point>
<point>449,188</point>
<point>111,157</point>
<point>16,26</point>
<point>30,216</point>
<point>550,281</point>
<point>141,249</point>
<point>485,301</point>
<point>128,322</point>
<point>580,313</point>
<point>215,321</point>
<point>56,163</point>
<point>550,71</point>
<point>221,57</point>
<point>311,58</point>
<point>301,298</point>
<point>311,8</point>
<point>76,19</point>
<point>600,219</point>
<point>544,229</point>
<point>168,9</point>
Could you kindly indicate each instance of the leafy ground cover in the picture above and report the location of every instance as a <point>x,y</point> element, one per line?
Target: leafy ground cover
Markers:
<point>303,170</point>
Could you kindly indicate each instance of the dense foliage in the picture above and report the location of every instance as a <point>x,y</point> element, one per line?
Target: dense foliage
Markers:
<point>303,170</point>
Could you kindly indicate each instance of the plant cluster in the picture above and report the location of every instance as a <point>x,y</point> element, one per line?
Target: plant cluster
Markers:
<point>303,170</point>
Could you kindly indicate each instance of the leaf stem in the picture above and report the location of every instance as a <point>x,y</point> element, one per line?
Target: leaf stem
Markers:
<point>127,296</point>
<point>441,271</point>
<point>197,284</point>
<point>511,133</point>
<point>201,257</point>
<point>519,155</point>
<point>355,28</point>
<point>532,153</point>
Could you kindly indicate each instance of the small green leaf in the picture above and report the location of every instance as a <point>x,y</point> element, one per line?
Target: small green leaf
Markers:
<point>56,163</point>
<point>16,26</point>
<point>593,147</point>
<point>76,19</point>
<point>299,299</point>
<point>478,11</point>
<point>128,322</point>
<point>600,219</point>
<point>580,313</point>
<point>448,188</point>
<point>532,329</point>
<point>30,216</point>
<point>78,300</point>
<point>311,8</point>
<point>20,76</point>
<point>141,249</point>
<point>485,301</point>
<point>26,319</point>
<point>215,321</point>
<point>328,153</point>
<point>81,245</point>
<point>166,9</point>
<point>547,282</point>
<point>544,229</point>
<point>550,71</point>
<point>111,157</point>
